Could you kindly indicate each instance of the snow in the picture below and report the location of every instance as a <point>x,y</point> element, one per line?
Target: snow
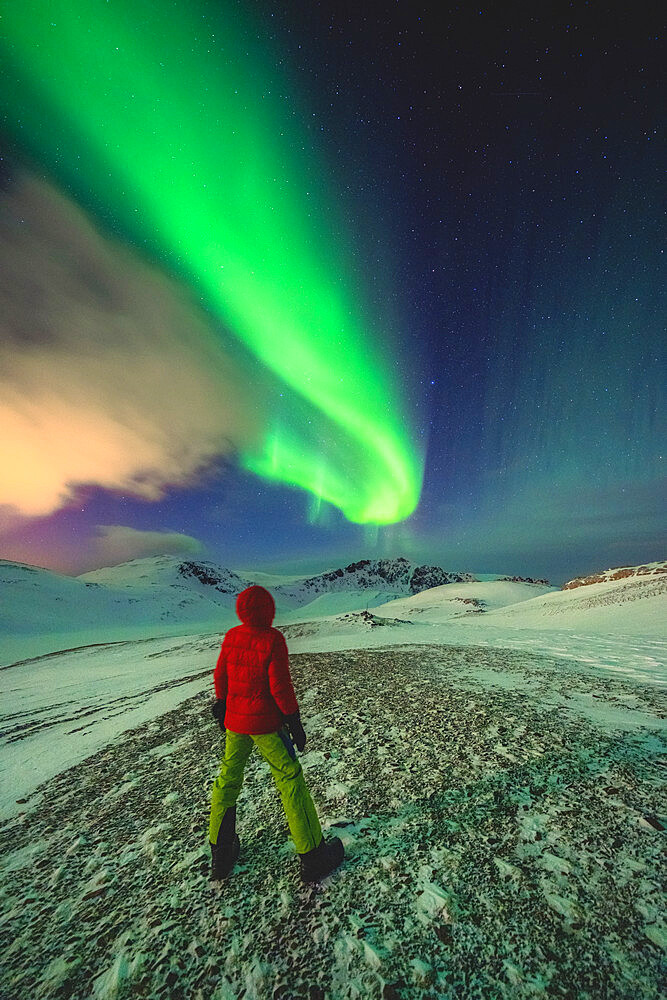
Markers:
<point>497,844</point>
<point>618,573</point>
<point>628,605</point>
<point>490,753</point>
<point>167,596</point>
<point>617,627</point>
<point>455,600</point>
<point>58,710</point>
<point>43,611</point>
<point>337,603</point>
<point>628,655</point>
<point>156,571</point>
<point>269,580</point>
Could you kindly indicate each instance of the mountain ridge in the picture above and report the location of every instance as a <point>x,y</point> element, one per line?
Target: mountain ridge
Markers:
<point>617,573</point>
<point>42,611</point>
<point>168,592</point>
<point>398,575</point>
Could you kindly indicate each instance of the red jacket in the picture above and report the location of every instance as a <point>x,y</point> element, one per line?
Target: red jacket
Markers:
<point>252,672</point>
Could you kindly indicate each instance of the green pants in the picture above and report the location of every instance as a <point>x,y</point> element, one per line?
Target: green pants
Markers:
<point>278,752</point>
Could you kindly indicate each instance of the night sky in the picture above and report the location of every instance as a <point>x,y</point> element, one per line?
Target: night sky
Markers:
<point>286,285</point>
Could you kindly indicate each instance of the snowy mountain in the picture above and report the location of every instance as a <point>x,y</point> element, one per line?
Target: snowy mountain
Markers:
<point>395,576</point>
<point>500,613</point>
<point>42,611</point>
<point>159,589</point>
<point>451,605</point>
<point>441,604</point>
<point>203,578</point>
<point>633,603</point>
<point>167,595</point>
<point>391,575</point>
<point>618,573</point>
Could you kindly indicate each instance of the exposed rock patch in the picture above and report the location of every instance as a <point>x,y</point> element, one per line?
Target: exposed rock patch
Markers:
<point>619,573</point>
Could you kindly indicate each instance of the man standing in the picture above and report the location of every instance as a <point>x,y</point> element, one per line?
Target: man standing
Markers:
<point>256,704</point>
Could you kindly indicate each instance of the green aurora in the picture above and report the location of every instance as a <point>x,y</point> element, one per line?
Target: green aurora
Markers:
<point>165,122</point>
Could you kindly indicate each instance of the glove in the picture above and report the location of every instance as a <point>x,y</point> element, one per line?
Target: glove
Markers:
<point>218,712</point>
<point>295,729</point>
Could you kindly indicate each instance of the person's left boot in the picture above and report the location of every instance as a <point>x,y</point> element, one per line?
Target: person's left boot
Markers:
<point>225,851</point>
<point>315,865</point>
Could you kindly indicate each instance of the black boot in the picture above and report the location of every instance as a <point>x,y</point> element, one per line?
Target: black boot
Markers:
<point>225,852</point>
<point>322,860</point>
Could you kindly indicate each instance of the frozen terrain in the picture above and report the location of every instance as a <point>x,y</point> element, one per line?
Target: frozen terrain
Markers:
<point>58,709</point>
<point>491,753</point>
<point>42,611</point>
<point>500,842</point>
<point>617,627</point>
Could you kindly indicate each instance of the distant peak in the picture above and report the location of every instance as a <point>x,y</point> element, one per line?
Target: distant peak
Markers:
<point>223,580</point>
<point>398,575</point>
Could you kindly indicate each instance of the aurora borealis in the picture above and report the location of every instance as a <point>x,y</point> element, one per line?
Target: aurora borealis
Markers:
<point>188,151</point>
<point>296,286</point>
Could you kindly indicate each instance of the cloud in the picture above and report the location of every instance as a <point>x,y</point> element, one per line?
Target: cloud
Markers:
<point>117,543</point>
<point>109,375</point>
<point>50,542</point>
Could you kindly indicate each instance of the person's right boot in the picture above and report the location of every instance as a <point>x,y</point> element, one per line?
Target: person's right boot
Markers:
<point>225,851</point>
<point>322,860</point>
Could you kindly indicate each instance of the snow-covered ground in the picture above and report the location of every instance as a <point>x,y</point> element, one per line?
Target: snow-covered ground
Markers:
<point>500,843</point>
<point>618,627</point>
<point>59,709</point>
<point>41,611</point>
<point>490,753</point>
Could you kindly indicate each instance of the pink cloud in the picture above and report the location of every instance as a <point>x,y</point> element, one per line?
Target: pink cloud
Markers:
<point>109,375</point>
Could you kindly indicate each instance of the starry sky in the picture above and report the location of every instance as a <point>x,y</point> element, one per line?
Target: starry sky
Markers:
<point>286,285</point>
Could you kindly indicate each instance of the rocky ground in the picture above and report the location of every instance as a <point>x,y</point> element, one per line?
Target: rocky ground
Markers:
<point>500,812</point>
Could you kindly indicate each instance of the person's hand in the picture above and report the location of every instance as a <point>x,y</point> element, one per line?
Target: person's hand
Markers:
<point>295,729</point>
<point>218,712</point>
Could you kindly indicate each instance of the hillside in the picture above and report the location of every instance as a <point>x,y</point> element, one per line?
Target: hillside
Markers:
<point>455,601</point>
<point>169,571</point>
<point>166,595</point>
<point>43,611</point>
<point>619,625</point>
<point>618,573</point>
<point>632,604</point>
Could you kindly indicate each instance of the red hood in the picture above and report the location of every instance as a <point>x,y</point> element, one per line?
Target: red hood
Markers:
<point>255,606</point>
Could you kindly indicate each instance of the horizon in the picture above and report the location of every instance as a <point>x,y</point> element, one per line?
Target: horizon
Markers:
<point>318,569</point>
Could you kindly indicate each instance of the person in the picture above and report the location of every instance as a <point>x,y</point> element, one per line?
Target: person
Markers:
<point>256,706</point>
